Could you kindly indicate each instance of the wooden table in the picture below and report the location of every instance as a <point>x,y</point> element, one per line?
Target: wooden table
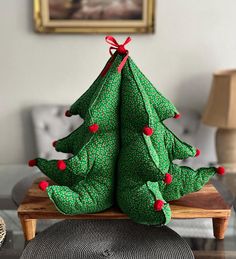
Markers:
<point>206,203</point>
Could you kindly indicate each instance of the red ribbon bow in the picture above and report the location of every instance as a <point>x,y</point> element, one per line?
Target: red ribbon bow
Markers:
<point>120,48</point>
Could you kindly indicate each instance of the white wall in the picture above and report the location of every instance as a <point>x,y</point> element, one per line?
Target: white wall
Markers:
<point>193,38</point>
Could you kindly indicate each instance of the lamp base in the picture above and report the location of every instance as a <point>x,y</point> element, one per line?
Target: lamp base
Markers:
<point>226,148</point>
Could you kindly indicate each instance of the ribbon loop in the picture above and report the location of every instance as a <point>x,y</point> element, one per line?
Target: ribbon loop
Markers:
<point>120,48</point>
<point>112,41</point>
<point>127,41</point>
<point>115,45</point>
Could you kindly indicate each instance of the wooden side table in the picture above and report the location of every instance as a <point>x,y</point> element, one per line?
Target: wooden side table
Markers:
<point>206,203</point>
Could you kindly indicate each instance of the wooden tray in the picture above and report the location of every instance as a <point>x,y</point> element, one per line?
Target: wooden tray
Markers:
<point>206,203</point>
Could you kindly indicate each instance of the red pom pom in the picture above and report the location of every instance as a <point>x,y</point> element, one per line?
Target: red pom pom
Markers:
<point>147,131</point>
<point>32,162</point>
<point>177,116</point>
<point>198,152</point>
<point>43,185</point>
<point>158,205</point>
<point>61,165</point>
<point>168,178</point>
<point>68,114</point>
<point>220,170</point>
<point>54,143</point>
<point>93,128</point>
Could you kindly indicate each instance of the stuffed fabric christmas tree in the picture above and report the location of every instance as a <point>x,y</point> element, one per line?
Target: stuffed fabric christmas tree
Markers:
<point>147,177</point>
<point>85,182</point>
<point>122,148</point>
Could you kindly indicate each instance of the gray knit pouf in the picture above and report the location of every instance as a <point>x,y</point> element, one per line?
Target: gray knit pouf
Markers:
<point>106,239</point>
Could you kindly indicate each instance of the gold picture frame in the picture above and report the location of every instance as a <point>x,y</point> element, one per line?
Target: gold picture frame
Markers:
<point>44,24</point>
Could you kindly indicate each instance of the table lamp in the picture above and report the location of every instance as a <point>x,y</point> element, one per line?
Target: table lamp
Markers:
<point>221,113</point>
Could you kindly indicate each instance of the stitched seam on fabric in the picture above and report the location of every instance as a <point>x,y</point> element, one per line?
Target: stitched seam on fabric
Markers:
<point>145,140</point>
<point>161,197</point>
<point>99,92</point>
<point>156,91</point>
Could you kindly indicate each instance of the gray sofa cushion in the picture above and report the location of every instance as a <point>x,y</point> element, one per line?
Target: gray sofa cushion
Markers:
<point>117,239</point>
<point>50,124</point>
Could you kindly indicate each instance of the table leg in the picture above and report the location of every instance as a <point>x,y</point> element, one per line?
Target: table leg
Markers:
<point>219,227</point>
<point>29,228</point>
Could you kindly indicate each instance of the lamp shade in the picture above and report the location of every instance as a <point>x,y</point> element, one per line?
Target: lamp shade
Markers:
<point>221,106</point>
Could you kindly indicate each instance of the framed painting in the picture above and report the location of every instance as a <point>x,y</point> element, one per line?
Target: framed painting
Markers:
<point>94,16</point>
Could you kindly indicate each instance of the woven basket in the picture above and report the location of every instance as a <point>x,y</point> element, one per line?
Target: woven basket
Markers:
<point>2,231</point>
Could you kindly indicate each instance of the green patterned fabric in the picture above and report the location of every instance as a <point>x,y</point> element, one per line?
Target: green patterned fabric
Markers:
<point>128,152</point>
<point>87,183</point>
<point>144,160</point>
